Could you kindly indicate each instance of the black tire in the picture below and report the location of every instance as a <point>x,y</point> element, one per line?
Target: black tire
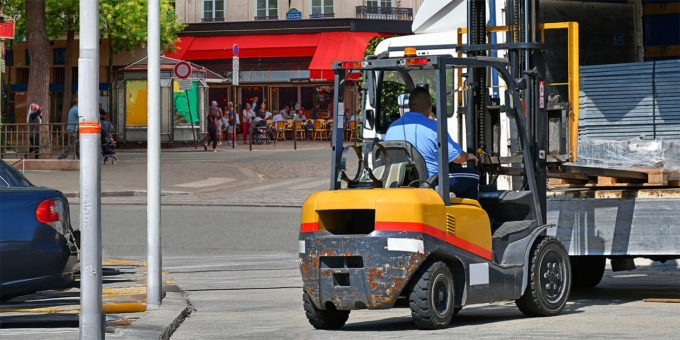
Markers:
<point>549,281</point>
<point>431,299</point>
<point>323,319</point>
<point>114,160</point>
<point>106,160</point>
<point>586,271</point>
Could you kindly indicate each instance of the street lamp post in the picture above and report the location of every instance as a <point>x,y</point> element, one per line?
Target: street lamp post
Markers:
<point>91,316</point>
<point>154,284</point>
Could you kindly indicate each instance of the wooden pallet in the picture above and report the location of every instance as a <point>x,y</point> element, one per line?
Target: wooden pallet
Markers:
<point>585,177</point>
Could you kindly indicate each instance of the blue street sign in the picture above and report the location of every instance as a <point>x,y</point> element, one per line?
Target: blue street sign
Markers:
<point>235,50</point>
<point>293,14</point>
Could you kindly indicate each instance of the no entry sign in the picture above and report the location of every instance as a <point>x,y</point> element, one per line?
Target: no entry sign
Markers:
<point>182,70</point>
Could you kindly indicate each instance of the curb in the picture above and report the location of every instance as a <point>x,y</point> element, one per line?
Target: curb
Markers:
<point>160,323</point>
<point>127,193</point>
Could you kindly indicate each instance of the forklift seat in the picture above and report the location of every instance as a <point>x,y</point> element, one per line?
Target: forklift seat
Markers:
<point>410,164</point>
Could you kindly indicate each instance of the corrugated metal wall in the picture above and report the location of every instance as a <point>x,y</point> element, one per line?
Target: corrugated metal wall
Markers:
<point>624,101</point>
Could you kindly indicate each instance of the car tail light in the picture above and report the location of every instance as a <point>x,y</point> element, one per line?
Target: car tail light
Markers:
<point>47,212</point>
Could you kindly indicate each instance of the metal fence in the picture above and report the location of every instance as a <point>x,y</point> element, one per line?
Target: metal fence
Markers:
<point>625,101</point>
<point>27,140</point>
<point>385,13</point>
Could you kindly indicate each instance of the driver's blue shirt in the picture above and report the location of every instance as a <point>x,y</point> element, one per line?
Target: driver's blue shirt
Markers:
<point>421,132</point>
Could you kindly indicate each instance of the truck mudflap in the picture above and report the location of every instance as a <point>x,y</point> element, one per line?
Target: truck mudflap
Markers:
<point>358,271</point>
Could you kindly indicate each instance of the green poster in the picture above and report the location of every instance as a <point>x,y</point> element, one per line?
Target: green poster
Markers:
<point>179,97</point>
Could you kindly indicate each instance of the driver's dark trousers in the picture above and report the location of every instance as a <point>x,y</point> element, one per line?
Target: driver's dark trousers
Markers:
<point>464,182</point>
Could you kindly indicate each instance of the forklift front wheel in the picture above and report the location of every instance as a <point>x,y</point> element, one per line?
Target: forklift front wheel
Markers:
<point>431,300</point>
<point>549,281</point>
<point>323,319</point>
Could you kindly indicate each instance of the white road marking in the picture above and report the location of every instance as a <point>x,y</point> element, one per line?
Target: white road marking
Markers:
<point>205,182</point>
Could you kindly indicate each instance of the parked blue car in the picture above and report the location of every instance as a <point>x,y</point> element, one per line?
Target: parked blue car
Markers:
<point>38,247</point>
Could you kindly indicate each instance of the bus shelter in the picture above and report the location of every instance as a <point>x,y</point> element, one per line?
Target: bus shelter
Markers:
<point>181,110</point>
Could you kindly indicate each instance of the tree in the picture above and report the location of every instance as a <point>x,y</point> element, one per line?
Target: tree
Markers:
<point>62,16</point>
<point>123,24</point>
<point>39,69</point>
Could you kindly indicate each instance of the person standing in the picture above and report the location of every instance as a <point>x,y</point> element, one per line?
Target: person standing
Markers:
<point>255,104</point>
<point>217,112</point>
<point>34,120</point>
<point>248,116</point>
<point>71,130</point>
<point>212,130</point>
<point>231,121</point>
<point>315,111</point>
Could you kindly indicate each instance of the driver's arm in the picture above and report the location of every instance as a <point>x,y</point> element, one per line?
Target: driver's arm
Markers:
<point>464,157</point>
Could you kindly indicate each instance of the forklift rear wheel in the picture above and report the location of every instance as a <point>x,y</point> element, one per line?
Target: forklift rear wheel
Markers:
<point>549,281</point>
<point>431,300</point>
<point>587,271</point>
<point>323,319</point>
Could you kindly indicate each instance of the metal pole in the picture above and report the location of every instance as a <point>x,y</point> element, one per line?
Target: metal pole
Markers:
<point>191,119</point>
<point>294,133</point>
<point>154,284</point>
<point>91,316</point>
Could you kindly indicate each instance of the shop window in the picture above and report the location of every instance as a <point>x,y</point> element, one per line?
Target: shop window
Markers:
<point>185,111</point>
<point>213,10</point>
<point>307,100</point>
<point>379,3</point>
<point>9,58</point>
<point>58,56</point>
<point>266,10</point>
<point>322,9</point>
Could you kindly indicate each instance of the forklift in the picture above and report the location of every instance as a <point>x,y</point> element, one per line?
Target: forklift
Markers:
<point>388,236</point>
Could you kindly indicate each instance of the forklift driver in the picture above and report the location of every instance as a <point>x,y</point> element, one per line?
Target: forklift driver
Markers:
<point>417,128</point>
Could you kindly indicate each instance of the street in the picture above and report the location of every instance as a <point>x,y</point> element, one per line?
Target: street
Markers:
<point>238,268</point>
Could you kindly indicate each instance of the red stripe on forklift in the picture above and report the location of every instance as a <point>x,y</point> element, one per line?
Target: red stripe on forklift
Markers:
<point>309,227</point>
<point>432,231</point>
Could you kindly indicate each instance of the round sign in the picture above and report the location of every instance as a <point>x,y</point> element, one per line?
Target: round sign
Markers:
<point>182,70</point>
<point>235,50</point>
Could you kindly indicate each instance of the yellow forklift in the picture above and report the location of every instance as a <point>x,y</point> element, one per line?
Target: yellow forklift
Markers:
<point>389,236</point>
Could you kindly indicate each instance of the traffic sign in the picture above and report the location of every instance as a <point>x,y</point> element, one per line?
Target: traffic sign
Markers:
<point>7,29</point>
<point>185,84</point>
<point>234,49</point>
<point>182,70</point>
<point>235,72</point>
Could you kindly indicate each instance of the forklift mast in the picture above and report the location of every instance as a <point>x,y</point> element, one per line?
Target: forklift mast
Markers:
<point>527,68</point>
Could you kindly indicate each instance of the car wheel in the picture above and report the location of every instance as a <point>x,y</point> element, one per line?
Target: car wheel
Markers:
<point>431,299</point>
<point>549,280</point>
<point>323,319</point>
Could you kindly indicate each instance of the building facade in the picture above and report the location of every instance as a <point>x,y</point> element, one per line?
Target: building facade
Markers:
<point>285,47</point>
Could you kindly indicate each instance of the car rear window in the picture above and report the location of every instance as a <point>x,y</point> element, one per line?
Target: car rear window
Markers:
<point>11,177</point>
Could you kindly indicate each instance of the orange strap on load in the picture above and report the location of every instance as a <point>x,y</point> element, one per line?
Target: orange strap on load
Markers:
<point>89,128</point>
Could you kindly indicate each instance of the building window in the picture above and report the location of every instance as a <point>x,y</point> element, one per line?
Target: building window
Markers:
<point>379,3</point>
<point>58,56</point>
<point>266,10</point>
<point>322,9</point>
<point>213,10</point>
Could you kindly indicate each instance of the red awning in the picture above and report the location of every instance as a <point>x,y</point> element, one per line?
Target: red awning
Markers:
<point>324,48</point>
<point>337,46</point>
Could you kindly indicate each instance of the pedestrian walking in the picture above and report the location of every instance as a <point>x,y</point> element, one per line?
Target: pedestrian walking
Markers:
<point>71,130</point>
<point>232,120</point>
<point>34,120</point>
<point>217,112</point>
<point>212,131</point>
<point>248,115</point>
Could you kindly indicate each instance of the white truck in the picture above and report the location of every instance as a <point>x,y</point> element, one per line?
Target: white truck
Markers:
<point>601,212</point>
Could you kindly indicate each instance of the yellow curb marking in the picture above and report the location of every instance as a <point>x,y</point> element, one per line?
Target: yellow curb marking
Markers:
<point>140,289</point>
<point>112,262</point>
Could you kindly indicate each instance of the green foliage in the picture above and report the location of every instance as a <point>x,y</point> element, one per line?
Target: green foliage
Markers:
<point>124,22</point>
<point>61,16</point>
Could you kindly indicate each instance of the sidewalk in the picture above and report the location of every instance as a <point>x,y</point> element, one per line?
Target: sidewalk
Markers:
<point>42,314</point>
<point>269,175</point>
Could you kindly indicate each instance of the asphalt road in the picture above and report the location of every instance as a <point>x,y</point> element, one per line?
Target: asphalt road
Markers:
<point>238,267</point>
